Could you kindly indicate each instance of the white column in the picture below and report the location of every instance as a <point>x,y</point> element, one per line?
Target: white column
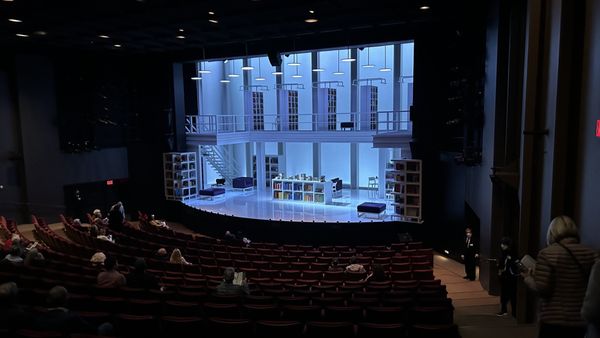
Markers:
<point>383,158</point>
<point>260,166</point>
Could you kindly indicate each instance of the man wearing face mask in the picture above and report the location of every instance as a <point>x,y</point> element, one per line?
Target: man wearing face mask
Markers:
<point>508,272</point>
<point>470,255</point>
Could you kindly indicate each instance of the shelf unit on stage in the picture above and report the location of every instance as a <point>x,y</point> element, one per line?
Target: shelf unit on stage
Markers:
<point>302,191</point>
<point>405,179</point>
<point>179,169</point>
<point>271,168</point>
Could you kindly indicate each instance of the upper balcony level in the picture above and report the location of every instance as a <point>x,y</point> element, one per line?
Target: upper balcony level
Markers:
<point>392,126</point>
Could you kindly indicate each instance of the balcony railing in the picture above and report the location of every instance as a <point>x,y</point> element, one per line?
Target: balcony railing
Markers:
<point>376,122</point>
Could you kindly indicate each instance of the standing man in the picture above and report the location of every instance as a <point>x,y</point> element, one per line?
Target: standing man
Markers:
<point>508,272</point>
<point>470,255</point>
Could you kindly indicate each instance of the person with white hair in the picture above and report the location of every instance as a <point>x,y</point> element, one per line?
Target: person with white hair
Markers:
<point>98,220</point>
<point>560,278</point>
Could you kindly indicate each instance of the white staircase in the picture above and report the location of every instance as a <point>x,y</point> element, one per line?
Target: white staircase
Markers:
<point>219,159</point>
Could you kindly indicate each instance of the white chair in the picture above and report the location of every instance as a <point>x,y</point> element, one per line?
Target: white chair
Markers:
<point>373,182</point>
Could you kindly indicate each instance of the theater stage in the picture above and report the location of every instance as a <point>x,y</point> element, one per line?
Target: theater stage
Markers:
<point>260,205</point>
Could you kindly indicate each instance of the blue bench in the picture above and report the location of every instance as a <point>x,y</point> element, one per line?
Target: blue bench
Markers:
<point>371,208</point>
<point>211,193</point>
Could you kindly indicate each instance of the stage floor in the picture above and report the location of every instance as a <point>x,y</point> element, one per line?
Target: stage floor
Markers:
<point>260,205</point>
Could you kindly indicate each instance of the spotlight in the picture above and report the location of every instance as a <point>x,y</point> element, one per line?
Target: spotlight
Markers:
<point>424,7</point>
<point>104,36</point>
<point>15,20</point>
<point>446,252</point>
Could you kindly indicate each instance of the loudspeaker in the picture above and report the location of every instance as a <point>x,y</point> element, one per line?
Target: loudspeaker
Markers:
<point>274,58</point>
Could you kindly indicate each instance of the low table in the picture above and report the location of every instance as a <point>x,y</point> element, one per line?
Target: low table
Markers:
<point>211,193</point>
<point>371,208</point>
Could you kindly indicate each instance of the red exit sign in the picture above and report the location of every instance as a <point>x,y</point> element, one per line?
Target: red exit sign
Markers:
<point>598,128</point>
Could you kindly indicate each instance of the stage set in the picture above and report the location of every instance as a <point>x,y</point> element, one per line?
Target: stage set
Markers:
<point>262,205</point>
<point>307,144</point>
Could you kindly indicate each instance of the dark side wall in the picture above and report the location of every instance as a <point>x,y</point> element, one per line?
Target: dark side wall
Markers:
<point>587,213</point>
<point>34,170</point>
<point>33,167</point>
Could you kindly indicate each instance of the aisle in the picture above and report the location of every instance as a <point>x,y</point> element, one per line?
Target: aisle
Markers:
<point>475,310</point>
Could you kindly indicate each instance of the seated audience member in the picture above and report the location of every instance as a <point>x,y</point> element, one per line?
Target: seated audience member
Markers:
<point>104,236</point>
<point>228,288</point>
<point>34,258</point>
<point>162,255</point>
<point>355,267</point>
<point>98,220</point>
<point>98,259</point>
<point>377,274</point>
<point>590,311</point>
<point>59,318</point>
<point>158,223</point>
<point>13,256</point>
<point>12,316</point>
<point>111,278</point>
<point>139,278</point>
<point>229,237</point>
<point>77,224</point>
<point>15,240</point>
<point>334,266</point>
<point>116,216</point>
<point>176,257</point>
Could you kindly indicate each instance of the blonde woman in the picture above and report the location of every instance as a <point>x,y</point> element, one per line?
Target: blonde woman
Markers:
<point>176,257</point>
<point>560,279</point>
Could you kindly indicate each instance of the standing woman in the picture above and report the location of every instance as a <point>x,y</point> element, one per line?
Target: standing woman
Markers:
<point>560,279</point>
<point>507,273</point>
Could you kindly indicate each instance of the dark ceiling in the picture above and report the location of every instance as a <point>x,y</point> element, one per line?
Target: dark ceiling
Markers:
<point>243,27</point>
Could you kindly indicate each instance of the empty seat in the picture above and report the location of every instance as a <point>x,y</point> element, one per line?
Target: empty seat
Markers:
<point>343,313</point>
<point>261,311</point>
<point>175,326</point>
<point>228,327</point>
<point>183,309</point>
<point>135,326</point>
<point>379,330</point>
<point>318,329</point>
<point>221,310</point>
<point>433,331</point>
<point>434,315</point>
<point>278,328</point>
<point>423,274</point>
<point>302,312</point>
<point>385,314</point>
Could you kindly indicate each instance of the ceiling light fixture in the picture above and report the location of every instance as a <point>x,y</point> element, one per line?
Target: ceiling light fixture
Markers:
<point>424,7</point>
<point>259,78</point>
<point>180,36</point>
<point>348,58</point>
<point>195,78</point>
<point>42,33</point>
<point>295,63</point>
<point>385,68</point>
<point>202,69</point>
<point>311,18</point>
<point>249,66</point>
<point>318,70</point>
<point>277,72</point>
<point>226,60</point>
<point>181,30</point>
<point>213,21</point>
<point>15,20</point>
<point>117,46</point>
<point>369,64</point>
<point>22,35</point>
<point>224,81</point>
<point>338,65</point>
<point>233,75</point>
<point>211,13</point>
<point>104,36</point>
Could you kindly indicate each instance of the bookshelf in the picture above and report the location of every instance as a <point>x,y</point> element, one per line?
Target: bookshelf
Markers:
<point>181,182</point>
<point>404,179</point>
<point>271,168</point>
<point>302,191</point>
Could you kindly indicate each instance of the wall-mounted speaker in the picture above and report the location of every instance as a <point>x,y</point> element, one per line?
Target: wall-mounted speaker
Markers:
<point>274,58</point>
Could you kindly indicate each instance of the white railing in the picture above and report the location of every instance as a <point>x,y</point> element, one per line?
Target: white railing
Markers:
<point>377,122</point>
